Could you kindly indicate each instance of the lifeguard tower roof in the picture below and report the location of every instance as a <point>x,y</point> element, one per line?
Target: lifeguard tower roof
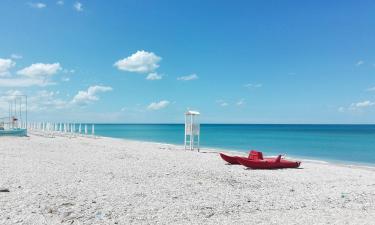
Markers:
<point>190,112</point>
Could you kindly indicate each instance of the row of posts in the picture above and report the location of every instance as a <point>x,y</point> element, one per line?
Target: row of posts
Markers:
<point>13,125</point>
<point>50,128</point>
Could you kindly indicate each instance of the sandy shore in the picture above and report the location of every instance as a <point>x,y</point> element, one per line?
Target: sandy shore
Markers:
<point>108,181</point>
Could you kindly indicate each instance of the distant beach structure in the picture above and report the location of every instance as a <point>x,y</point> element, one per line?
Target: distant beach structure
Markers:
<point>13,115</point>
<point>52,129</point>
<point>192,130</point>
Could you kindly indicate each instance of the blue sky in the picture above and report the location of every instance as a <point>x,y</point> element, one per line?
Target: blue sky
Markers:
<point>148,61</point>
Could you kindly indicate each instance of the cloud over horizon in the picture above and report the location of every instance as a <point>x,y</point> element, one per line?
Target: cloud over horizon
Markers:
<point>357,106</point>
<point>38,74</point>
<point>86,97</point>
<point>158,105</point>
<point>363,104</point>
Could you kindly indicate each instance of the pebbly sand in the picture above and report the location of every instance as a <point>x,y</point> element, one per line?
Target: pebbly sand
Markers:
<point>110,181</point>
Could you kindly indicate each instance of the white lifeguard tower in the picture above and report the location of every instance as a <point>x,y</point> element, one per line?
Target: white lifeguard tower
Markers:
<point>192,130</point>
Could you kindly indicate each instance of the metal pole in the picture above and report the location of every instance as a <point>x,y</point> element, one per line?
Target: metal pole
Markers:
<point>191,133</point>
<point>21,121</point>
<point>198,141</point>
<point>26,111</point>
<point>185,134</point>
<point>9,112</point>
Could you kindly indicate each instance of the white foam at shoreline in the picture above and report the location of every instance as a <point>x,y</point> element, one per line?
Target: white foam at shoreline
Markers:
<point>236,152</point>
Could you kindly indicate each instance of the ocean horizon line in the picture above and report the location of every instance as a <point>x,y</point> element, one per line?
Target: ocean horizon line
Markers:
<point>171,123</point>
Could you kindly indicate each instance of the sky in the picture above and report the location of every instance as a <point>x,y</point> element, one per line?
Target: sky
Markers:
<point>148,61</point>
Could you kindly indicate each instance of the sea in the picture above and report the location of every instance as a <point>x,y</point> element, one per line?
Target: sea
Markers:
<point>335,143</point>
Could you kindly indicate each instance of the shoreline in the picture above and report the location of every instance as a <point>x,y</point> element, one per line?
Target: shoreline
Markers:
<point>293,157</point>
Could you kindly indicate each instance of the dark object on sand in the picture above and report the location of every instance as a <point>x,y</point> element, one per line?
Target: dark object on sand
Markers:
<point>4,190</point>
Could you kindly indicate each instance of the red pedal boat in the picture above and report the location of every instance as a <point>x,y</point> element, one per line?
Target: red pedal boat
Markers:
<point>253,155</point>
<point>276,163</point>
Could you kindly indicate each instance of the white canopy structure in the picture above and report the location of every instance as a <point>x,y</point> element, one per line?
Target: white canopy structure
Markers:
<point>192,130</point>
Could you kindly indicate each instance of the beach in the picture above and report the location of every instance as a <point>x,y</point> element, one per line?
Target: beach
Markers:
<point>83,180</point>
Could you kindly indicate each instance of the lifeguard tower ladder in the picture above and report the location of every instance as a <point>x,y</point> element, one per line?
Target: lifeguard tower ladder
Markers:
<point>192,130</point>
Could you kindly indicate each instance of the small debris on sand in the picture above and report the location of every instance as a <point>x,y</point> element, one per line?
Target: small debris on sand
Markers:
<point>4,190</point>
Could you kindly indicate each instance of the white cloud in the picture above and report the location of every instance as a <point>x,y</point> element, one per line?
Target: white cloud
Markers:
<point>40,101</point>
<point>78,6</point>
<point>38,74</point>
<point>222,103</point>
<point>158,105</point>
<point>253,86</point>
<point>363,104</point>
<point>37,5</point>
<point>370,89</point>
<point>86,97</point>
<point>357,106</point>
<point>60,2</point>
<point>188,77</point>
<point>40,70</point>
<point>5,65</point>
<point>360,62</point>
<point>240,102</point>
<point>16,56</point>
<point>46,101</point>
<point>139,62</point>
<point>14,92</point>
<point>5,98</point>
<point>154,76</point>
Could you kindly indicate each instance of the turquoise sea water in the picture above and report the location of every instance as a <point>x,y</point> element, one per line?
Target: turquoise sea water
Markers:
<point>345,143</point>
